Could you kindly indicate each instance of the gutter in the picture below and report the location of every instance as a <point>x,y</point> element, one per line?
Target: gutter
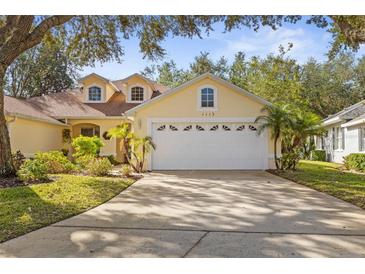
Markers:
<point>67,118</point>
<point>354,123</point>
<point>24,116</point>
<point>332,121</point>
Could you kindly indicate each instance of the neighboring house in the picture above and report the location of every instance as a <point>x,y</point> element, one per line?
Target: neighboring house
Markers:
<point>345,133</point>
<point>206,123</point>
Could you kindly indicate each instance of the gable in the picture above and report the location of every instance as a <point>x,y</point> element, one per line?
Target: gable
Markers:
<point>104,84</point>
<point>184,102</point>
<point>135,80</point>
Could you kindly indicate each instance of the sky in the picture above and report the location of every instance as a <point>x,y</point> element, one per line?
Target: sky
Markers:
<point>308,41</point>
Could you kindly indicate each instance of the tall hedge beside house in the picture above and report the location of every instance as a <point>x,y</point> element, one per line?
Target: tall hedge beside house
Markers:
<point>355,161</point>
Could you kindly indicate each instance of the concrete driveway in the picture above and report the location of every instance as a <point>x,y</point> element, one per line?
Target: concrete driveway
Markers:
<point>205,214</point>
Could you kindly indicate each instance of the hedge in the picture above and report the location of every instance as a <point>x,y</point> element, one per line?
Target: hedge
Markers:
<point>355,161</point>
<point>318,155</point>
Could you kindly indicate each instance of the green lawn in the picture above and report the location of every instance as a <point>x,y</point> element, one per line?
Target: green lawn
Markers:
<point>26,208</point>
<point>328,178</point>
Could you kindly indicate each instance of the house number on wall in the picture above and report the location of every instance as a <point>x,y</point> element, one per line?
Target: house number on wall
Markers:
<point>207,114</point>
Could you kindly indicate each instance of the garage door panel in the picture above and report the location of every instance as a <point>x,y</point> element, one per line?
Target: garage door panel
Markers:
<point>217,149</point>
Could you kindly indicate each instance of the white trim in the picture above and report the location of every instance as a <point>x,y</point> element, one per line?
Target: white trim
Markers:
<point>341,131</point>
<point>354,122</point>
<point>129,95</point>
<point>332,121</point>
<point>150,122</point>
<point>361,138</point>
<point>86,97</point>
<point>186,84</point>
<point>215,98</point>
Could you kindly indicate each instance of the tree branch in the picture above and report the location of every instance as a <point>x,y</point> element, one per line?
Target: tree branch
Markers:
<point>48,23</point>
<point>11,22</point>
<point>36,36</point>
<point>354,34</point>
<point>21,40</point>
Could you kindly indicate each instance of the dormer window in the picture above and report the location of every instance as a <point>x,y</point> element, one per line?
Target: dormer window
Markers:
<point>137,94</point>
<point>94,94</point>
<point>207,98</point>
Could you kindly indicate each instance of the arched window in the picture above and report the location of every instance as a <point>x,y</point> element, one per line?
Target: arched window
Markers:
<point>207,98</point>
<point>94,94</point>
<point>137,94</point>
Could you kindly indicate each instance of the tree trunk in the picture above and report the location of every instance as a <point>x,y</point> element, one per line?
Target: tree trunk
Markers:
<point>143,156</point>
<point>275,152</point>
<point>127,151</point>
<point>6,164</point>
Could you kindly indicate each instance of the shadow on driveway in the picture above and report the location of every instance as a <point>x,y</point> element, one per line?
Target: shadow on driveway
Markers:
<point>205,214</point>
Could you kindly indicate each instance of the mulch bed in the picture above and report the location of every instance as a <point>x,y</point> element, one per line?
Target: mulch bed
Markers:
<point>14,182</point>
<point>11,182</point>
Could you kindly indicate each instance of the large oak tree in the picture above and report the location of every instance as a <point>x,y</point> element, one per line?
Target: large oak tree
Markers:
<point>98,38</point>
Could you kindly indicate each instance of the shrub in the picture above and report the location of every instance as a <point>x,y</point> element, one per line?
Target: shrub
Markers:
<point>289,160</point>
<point>355,161</point>
<point>112,160</point>
<point>99,167</point>
<point>55,161</point>
<point>126,170</point>
<point>84,145</point>
<point>18,159</point>
<point>33,170</point>
<point>83,161</point>
<point>318,155</point>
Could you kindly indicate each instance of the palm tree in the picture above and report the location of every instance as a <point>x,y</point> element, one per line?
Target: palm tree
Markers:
<point>138,147</point>
<point>276,119</point>
<point>303,125</point>
<point>147,145</point>
<point>124,133</point>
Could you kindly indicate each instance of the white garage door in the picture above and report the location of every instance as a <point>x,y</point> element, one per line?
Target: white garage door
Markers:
<point>190,146</point>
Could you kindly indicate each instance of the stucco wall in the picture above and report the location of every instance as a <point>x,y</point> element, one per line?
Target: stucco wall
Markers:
<point>30,136</point>
<point>184,104</point>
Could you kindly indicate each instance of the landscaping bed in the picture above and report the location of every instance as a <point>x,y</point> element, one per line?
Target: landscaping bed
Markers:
<point>11,182</point>
<point>26,208</point>
<point>329,178</point>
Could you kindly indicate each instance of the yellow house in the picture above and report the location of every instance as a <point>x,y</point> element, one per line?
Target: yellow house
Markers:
<point>206,123</point>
